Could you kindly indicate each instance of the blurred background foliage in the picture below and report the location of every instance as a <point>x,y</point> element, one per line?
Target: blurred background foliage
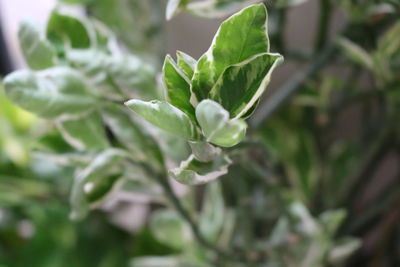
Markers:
<point>316,182</point>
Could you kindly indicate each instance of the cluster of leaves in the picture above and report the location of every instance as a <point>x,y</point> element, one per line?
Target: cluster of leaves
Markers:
<point>208,100</point>
<point>290,183</point>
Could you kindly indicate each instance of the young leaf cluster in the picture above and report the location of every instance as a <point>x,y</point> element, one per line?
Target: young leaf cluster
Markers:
<point>207,101</point>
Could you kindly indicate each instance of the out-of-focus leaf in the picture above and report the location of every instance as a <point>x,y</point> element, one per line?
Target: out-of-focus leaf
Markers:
<point>355,53</point>
<point>165,116</point>
<point>161,261</point>
<point>133,76</point>
<point>118,76</point>
<point>95,181</point>
<point>248,28</point>
<point>133,135</point>
<point>84,133</point>
<point>50,93</point>
<point>389,43</point>
<point>174,7</point>
<point>307,224</point>
<point>343,249</point>
<point>289,3</point>
<point>213,213</point>
<point>177,87</point>
<point>241,85</point>
<point>75,30</point>
<point>38,52</point>
<point>331,220</point>
<point>194,172</point>
<point>169,228</point>
<point>217,8</point>
<point>216,125</point>
<point>92,63</point>
<point>186,63</point>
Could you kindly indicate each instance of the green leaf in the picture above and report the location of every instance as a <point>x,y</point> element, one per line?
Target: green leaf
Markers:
<point>66,26</point>
<point>216,125</point>
<point>51,93</point>
<point>38,52</point>
<point>169,228</point>
<point>204,151</point>
<point>95,181</point>
<point>241,85</point>
<point>84,133</point>
<point>212,217</point>
<point>177,87</point>
<point>240,37</point>
<point>195,172</point>
<point>133,135</point>
<point>165,116</point>
<point>356,53</point>
<point>186,63</point>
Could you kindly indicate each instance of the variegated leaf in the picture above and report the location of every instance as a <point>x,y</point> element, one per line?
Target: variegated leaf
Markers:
<point>240,37</point>
<point>186,63</point>
<point>50,93</point>
<point>177,87</point>
<point>241,85</point>
<point>165,116</point>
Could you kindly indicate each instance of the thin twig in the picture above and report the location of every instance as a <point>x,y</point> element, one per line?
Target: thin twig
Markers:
<point>325,14</point>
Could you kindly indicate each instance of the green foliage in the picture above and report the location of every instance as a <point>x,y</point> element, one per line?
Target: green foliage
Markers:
<point>275,185</point>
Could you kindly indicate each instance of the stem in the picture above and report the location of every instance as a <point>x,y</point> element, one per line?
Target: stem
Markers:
<point>325,14</point>
<point>290,87</point>
<point>280,33</point>
<point>162,180</point>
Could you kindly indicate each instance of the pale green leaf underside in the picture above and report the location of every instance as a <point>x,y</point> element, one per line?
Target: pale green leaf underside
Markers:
<point>165,116</point>
<point>84,133</point>
<point>204,151</point>
<point>38,52</point>
<point>241,85</point>
<point>177,87</point>
<point>240,37</point>
<point>51,93</point>
<point>216,125</point>
<point>194,172</point>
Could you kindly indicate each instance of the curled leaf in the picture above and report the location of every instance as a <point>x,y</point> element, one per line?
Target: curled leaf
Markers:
<point>195,172</point>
